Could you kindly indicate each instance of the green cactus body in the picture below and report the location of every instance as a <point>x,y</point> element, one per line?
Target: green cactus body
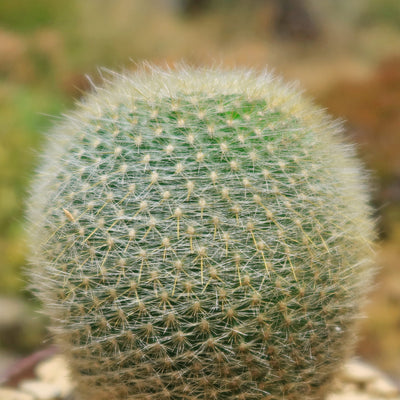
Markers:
<point>200,234</point>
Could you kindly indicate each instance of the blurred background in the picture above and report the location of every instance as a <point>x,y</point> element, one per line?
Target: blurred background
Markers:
<point>345,53</point>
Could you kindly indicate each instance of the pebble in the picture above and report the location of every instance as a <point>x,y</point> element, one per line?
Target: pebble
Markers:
<point>350,396</point>
<point>11,394</point>
<point>384,388</point>
<point>41,390</point>
<point>55,371</point>
<point>51,369</point>
<point>358,372</point>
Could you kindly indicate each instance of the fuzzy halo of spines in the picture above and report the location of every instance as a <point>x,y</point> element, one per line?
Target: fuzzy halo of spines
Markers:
<point>200,234</point>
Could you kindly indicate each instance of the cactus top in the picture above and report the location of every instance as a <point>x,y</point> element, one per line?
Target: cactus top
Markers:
<point>200,234</point>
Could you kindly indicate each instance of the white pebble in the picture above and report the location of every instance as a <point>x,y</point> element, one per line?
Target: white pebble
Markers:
<point>41,390</point>
<point>383,387</point>
<point>12,394</point>
<point>358,372</point>
<point>55,370</point>
<point>349,396</point>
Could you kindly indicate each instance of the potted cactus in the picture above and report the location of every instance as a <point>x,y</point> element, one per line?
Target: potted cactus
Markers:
<point>200,234</point>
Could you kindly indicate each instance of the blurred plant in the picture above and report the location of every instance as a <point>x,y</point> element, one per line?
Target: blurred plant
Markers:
<point>294,20</point>
<point>27,15</point>
<point>371,109</point>
<point>387,12</point>
<point>200,234</point>
<point>19,134</point>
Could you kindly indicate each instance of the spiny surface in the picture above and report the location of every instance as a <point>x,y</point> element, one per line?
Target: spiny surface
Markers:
<point>200,234</point>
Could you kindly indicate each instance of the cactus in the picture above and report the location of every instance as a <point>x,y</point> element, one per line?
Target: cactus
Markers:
<point>200,234</point>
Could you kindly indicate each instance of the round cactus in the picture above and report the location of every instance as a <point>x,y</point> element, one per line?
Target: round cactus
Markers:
<point>200,234</point>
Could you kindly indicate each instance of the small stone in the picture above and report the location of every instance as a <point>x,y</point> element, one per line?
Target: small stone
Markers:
<point>346,387</point>
<point>12,394</point>
<point>383,387</point>
<point>41,390</point>
<point>350,396</point>
<point>55,370</point>
<point>358,372</point>
<point>52,369</point>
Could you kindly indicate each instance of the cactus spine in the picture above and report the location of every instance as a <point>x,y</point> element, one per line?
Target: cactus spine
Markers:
<point>200,234</point>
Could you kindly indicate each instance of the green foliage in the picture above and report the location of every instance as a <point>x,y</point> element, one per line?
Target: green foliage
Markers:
<point>19,133</point>
<point>27,15</point>
<point>387,12</point>
<point>200,234</point>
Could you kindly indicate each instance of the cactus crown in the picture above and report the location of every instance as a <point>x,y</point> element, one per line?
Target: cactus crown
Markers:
<point>200,234</point>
